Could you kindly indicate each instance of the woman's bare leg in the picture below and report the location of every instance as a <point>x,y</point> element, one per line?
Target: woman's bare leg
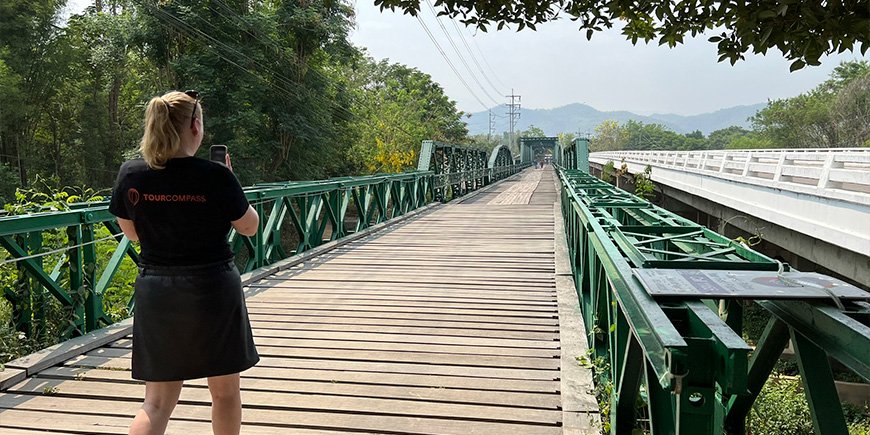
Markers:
<point>160,400</point>
<point>226,404</point>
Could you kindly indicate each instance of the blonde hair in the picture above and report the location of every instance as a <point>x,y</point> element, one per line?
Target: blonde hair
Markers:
<point>165,119</point>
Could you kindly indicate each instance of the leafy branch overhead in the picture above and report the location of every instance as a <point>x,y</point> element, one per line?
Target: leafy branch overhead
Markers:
<point>802,30</point>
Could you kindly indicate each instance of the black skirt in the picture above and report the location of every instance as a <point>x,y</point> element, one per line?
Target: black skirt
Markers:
<point>190,322</point>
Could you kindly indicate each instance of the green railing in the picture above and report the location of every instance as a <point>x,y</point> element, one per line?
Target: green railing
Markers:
<point>684,354</point>
<point>53,256</point>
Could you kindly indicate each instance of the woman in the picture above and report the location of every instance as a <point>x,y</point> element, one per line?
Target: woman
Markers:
<point>190,320</point>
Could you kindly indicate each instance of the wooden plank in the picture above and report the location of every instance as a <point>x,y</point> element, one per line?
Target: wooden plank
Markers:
<point>9,431</point>
<point>418,273</point>
<point>67,422</point>
<point>282,420</point>
<point>420,349</point>
<point>363,337</point>
<point>442,281</point>
<point>10,376</point>
<point>50,356</point>
<point>451,321</point>
<point>529,363</point>
<point>265,308</point>
<point>410,406</point>
<point>411,286</point>
<point>342,304</point>
<point>340,376</point>
<point>355,263</point>
<point>348,389</point>
<point>458,295</point>
<point>435,332</point>
<point>419,368</point>
<point>383,253</point>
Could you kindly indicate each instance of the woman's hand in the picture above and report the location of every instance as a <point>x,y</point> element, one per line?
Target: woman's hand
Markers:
<point>229,162</point>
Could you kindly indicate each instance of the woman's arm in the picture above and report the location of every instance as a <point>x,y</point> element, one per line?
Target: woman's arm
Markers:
<point>247,225</point>
<point>129,229</point>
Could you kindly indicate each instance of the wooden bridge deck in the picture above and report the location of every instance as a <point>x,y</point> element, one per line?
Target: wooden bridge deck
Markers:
<point>446,323</point>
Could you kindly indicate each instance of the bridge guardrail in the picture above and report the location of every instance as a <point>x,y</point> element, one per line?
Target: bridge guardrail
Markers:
<point>54,256</point>
<point>843,173</point>
<point>687,351</point>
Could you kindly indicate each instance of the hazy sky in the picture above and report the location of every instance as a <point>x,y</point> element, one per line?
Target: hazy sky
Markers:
<point>556,65</point>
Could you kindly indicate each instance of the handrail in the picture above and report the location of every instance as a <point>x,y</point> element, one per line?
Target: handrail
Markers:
<point>294,217</point>
<point>693,364</point>
<point>814,171</point>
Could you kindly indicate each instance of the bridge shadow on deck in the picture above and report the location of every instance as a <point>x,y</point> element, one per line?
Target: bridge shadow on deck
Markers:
<point>447,323</point>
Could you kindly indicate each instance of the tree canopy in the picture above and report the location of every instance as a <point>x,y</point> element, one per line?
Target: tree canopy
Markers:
<point>282,86</point>
<point>802,30</point>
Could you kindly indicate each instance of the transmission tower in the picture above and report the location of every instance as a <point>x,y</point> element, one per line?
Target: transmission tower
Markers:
<point>513,113</point>
<point>491,126</point>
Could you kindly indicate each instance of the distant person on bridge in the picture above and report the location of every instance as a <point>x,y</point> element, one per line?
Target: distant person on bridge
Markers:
<point>190,320</point>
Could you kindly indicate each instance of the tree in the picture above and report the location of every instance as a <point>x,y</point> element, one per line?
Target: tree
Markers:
<point>483,141</point>
<point>720,139</point>
<point>532,131</point>
<point>802,31</point>
<point>32,49</point>
<point>566,139</point>
<point>396,108</point>
<point>608,137</point>
<point>833,114</point>
<point>750,141</point>
<point>850,112</point>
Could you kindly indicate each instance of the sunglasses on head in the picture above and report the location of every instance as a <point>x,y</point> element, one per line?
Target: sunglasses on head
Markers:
<point>195,96</point>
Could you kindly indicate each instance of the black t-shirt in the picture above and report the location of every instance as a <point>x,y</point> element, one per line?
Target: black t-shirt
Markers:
<point>182,213</point>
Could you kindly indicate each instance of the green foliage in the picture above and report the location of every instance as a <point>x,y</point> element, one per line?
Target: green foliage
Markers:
<point>834,114</point>
<point>750,141</point>
<point>720,139</point>
<point>484,141</point>
<point>532,131</point>
<point>781,408</point>
<point>566,139</point>
<point>802,31</point>
<point>603,390</point>
<point>396,108</point>
<point>283,87</point>
<point>634,135</point>
<point>608,172</point>
<point>42,196</point>
<point>643,186</point>
<point>45,195</point>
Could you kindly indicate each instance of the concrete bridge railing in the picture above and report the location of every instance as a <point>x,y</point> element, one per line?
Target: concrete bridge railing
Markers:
<point>840,173</point>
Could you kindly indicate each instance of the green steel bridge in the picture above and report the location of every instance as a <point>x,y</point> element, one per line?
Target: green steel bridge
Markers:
<point>458,298</point>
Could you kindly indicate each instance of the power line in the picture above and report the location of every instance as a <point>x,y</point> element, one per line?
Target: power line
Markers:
<point>449,63</point>
<point>486,62</point>
<point>459,53</point>
<point>186,28</point>
<point>473,57</point>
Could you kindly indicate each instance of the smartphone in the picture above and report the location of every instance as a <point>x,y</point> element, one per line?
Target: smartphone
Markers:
<point>218,153</point>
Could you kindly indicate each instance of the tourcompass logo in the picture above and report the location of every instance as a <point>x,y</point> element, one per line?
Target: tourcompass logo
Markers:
<point>133,196</point>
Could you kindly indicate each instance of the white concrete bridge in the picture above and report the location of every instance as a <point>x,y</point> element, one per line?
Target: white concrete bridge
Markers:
<point>813,202</point>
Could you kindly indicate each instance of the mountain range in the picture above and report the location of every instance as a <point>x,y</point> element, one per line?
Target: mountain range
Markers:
<point>583,118</point>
